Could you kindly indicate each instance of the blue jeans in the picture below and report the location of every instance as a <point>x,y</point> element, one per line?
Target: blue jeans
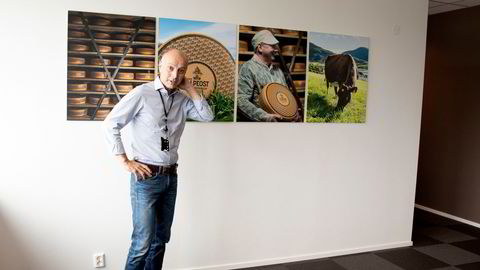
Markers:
<point>153,205</point>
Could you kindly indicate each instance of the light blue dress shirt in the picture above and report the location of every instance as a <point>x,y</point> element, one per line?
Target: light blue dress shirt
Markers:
<point>143,109</point>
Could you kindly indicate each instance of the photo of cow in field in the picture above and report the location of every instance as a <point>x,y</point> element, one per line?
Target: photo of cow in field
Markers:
<point>341,72</point>
<point>340,62</point>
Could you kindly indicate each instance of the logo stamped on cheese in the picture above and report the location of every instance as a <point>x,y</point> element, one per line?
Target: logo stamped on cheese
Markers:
<point>282,99</point>
<point>202,78</point>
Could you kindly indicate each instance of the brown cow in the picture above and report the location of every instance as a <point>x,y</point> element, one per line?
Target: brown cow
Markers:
<point>341,71</point>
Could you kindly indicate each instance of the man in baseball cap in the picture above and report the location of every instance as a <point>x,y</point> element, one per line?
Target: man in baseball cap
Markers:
<point>255,74</point>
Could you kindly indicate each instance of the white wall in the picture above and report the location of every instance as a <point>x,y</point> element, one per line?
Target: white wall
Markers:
<point>249,194</point>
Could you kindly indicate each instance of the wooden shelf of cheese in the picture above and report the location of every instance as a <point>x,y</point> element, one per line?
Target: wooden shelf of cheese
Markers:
<point>110,40</point>
<point>113,54</point>
<point>110,67</point>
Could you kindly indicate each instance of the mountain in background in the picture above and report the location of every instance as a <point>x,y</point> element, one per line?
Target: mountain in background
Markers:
<point>317,53</point>
<point>360,53</point>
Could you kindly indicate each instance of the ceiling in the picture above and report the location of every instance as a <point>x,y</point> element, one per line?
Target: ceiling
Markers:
<point>439,6</point>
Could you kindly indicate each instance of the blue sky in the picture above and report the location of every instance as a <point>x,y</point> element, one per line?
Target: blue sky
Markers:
<point>223,32</point>
<point>337,43</point>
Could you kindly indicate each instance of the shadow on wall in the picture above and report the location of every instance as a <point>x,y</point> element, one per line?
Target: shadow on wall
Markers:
<point>12,256</point>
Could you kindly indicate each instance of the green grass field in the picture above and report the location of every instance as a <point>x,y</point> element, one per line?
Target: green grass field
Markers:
<point>321,105</point>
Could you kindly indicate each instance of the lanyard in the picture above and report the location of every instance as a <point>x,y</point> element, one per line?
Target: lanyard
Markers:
<point>165,110</point>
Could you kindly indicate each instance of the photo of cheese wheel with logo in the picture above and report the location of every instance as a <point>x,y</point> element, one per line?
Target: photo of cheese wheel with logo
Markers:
<point>76,74</point>
<point>76,60</point>
<point>125,63</point>
<point>275,98</point>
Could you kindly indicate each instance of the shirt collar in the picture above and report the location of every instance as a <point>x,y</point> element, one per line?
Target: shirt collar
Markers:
<point>159,86</point>
<point>257,60</point>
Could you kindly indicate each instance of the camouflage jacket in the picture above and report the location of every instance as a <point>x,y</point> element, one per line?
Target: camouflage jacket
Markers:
<point>253,76</point>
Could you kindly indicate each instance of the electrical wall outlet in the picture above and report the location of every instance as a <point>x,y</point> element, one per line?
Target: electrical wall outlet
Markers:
<point>99,260</point>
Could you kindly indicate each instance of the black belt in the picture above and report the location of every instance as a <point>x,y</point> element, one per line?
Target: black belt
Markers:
<point>168,170</point>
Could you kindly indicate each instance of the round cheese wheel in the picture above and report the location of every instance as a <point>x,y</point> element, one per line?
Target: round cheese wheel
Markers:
<point>145,51</point>
<point>149,24</point>
<point>243,46</point>
<point>97,74</point>
<point>144,63</point>
<point>76,34</point>
<point>99,21</point>
<point>76,73</point>
<point>144,76</point>
<point>94,100</point>
<point>76,60</point>
<point>104,49</point>
<point>276,98</point>
<point>77,112</point>
<point>290,49</point>
<point>98,62</point>
<point>290,32</point>
<point>79,47</point>
<point>272,30</point>
<point>76,99</point>
<point>77,87</point>
<point>73,19</point>
<point>145,38</point>
<point>122,49</point>
<point>126,63</point>
<point>124,88</point>
<point>101,113</point>
<point>123,23</point>
<point>98,87</point>
<point>125,76</point>
<point>101,35</point>
<point>245,28</point>
<point>299,83</point>
<point>121,36</point>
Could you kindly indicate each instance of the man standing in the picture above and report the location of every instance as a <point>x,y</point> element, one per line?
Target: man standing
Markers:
<point>255,74</point>
<point>156,112</point>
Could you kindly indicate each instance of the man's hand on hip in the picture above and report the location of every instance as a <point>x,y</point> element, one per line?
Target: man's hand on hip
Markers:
<point>135,167</point>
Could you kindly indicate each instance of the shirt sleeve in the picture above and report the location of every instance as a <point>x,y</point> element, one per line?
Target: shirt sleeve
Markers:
<point>123,112</point>
<point>199,110</point>
<point>246,86</point>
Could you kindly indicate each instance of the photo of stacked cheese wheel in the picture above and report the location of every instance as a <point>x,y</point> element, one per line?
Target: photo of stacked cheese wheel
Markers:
<point>88,74</point>
<point>288,40</point>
